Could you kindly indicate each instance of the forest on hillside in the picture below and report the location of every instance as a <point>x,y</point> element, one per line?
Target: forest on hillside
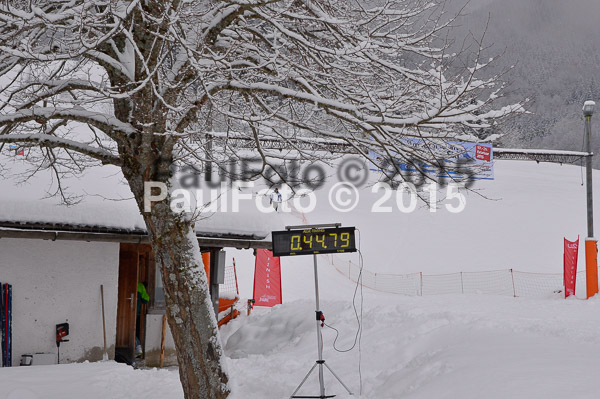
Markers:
<point>554,51</point>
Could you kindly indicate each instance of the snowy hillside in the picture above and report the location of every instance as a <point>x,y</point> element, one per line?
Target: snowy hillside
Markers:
<point>555,63</point>
<point>516,221</point>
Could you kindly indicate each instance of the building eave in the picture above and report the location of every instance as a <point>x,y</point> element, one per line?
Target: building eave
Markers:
<point>134,237</point>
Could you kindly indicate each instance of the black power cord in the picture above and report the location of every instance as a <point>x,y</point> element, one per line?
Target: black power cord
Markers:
<point>359,317</point>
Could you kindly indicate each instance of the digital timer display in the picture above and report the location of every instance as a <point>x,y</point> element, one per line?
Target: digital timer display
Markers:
<point>313,241</point>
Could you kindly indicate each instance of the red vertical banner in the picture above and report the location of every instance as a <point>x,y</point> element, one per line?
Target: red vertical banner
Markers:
<point>570,265</point>
<point>267,279</point>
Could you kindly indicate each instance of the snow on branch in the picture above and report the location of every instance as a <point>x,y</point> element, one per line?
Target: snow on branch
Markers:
<point>44,140</point>
<point>106,123</point>
<point>368,74</point>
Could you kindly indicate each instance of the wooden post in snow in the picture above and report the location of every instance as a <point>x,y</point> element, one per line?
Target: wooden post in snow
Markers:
<point>162,340</point>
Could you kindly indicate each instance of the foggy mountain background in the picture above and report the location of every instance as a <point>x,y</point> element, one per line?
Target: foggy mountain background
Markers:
<point>554,46</point>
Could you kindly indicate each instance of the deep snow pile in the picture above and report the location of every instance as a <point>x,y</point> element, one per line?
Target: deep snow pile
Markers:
<point>422,348</point>
<point>88,381</point>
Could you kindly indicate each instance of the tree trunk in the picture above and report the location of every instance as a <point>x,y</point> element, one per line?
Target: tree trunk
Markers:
<point>189,309</point>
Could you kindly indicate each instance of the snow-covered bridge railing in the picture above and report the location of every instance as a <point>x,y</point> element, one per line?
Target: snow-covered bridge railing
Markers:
<point>341,147</point>
<point>279,143</point>
<point>516,154</point>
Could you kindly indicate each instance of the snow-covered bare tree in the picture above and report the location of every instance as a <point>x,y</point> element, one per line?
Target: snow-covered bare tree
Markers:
<point>134,83</point>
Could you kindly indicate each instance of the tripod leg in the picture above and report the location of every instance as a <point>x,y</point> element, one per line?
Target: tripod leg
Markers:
<point>338,378</point>
<point>304,380</point>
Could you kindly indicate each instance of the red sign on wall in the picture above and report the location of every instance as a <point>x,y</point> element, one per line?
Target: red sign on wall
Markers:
<point>570,263</point>
<point>267,279</point>
<point>482,152</point>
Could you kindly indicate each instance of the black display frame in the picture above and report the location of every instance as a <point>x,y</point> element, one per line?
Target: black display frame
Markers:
<point>285,245</point>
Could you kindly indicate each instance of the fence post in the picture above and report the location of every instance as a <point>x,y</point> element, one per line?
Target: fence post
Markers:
<point>512,276</point>
<point>421,275</point>
<point>462,286</point>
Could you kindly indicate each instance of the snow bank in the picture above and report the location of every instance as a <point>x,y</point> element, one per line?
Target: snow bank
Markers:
<point>88,380</point>
<point>269,332</point>
<point>423,348</point>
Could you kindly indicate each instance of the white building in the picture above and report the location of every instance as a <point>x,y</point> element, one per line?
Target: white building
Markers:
<point>57,258</point>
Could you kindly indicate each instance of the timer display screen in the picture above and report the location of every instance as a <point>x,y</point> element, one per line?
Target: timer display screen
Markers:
<point>313,241</point>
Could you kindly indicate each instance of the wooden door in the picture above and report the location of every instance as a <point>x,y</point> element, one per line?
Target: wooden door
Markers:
<point>127,303</point>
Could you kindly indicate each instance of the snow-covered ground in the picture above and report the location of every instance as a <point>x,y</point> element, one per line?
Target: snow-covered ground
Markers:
<point>430,347</point>
<point>451,346</point>
<point>412,347</point>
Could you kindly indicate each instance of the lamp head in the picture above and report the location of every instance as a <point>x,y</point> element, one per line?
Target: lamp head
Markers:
<point>588,108</point>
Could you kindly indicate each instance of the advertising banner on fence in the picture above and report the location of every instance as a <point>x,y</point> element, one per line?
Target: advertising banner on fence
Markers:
<point>463,160</point>
<point>570,264</point>
<point>267,279</point>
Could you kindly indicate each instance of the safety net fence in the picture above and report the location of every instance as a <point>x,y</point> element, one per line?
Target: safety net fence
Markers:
<point>229,288</point>
<point>507,282</point>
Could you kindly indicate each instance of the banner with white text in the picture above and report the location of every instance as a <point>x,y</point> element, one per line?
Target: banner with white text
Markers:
<point>267,279</point>
<point>570,263</point>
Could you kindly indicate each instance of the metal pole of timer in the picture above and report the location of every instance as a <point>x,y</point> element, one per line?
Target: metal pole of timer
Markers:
<point>320,362</point>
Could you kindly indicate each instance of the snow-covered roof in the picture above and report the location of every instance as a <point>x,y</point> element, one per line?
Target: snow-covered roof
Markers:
<point>105,204</point>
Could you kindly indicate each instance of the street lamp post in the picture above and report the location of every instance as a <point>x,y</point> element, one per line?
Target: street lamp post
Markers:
<point>591,245</point>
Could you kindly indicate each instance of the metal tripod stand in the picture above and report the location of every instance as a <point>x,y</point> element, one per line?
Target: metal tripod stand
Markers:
<point>320,362</point>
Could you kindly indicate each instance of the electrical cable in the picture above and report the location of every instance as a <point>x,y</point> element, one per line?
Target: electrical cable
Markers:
<point>361,264</point>
<point>322,345</point>
<point>359,317</point>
